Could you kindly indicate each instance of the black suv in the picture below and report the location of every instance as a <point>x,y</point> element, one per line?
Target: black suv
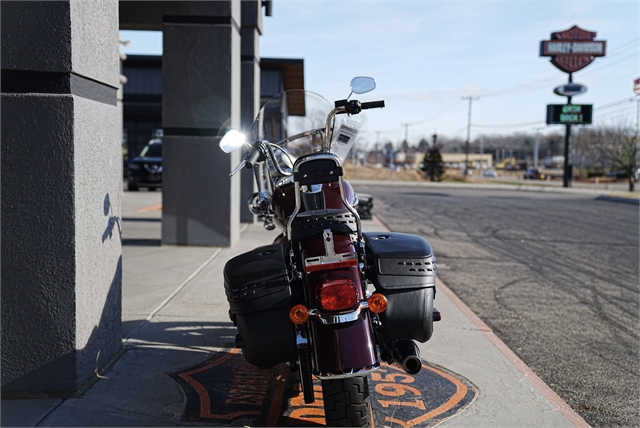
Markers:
<point>533,174</point>
<point>145,170</point>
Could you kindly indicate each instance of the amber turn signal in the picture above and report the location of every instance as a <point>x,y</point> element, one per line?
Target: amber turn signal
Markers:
<point>299,314</point>
<point>378,303</point>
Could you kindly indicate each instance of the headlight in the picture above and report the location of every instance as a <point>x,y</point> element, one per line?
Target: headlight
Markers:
<point>134,166</point>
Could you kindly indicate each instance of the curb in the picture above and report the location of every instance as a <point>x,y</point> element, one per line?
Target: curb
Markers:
<point>485,186</point>
<point>618,199</point>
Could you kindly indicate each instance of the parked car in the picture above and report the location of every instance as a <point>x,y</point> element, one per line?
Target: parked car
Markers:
<point>491,173</point>
<point>534,174</point>
<point>618,175</point>
<point>145,170</point>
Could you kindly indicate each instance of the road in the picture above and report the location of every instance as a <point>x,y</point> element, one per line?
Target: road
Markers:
<point>555,275</point>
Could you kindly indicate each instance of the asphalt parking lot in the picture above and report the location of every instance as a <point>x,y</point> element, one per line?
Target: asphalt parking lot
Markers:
<point>555,276</point>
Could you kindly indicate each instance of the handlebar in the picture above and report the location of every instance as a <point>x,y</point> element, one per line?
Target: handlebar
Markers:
<point>372,104</point>
<point>252,158</point>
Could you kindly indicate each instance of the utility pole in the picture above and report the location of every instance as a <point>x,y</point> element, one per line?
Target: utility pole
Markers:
<point>466,159</point>
<point>377,157</point>
<point>536,147</point>
<point>636,89</point>
<point>406,131</point>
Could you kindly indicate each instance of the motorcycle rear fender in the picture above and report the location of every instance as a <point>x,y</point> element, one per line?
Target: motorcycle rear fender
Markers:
<point>343,349</point>
<point>339,348</point>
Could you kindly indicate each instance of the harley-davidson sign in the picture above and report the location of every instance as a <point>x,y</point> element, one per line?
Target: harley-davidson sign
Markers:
<point>573,49</point>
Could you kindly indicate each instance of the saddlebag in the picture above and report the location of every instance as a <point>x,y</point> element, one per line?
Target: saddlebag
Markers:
<point>257,287</point>
<point>403,268</point>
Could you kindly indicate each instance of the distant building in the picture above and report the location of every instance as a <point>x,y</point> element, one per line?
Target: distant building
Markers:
<point>477,161</point>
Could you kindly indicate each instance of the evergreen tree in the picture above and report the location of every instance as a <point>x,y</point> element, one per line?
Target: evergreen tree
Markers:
<point>432,164</point>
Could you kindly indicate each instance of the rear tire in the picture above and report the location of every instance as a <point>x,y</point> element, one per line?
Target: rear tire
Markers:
<point>347,402</point>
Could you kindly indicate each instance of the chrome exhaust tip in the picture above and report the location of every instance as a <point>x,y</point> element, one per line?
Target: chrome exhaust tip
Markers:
<point>407,355</point>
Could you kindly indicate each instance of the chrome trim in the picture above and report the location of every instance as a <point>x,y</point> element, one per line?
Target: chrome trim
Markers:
<point>315,188</point>
<point>339,318</point>
<point>330,256</point>
<point>268,151</point>
<point>311,132</point>
<point>296,190</point>
<point>343,375</point>
<point>328,131</point>
<point>349,207</point>
<point>296,168</point>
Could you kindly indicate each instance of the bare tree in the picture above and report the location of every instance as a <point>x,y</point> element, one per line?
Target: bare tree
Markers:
<point>611,148</point>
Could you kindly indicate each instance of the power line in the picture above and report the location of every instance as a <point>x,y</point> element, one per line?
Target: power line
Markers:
<point>459,130</point>
<point>614,103</point>
<point>543,81</point>
<point>451,108</point>
<point>609,64</point>
<point>623,47</point>
<point>626,110</point>
<point>509,125</point>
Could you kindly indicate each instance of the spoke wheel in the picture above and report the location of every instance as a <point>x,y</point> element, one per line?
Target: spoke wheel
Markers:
<point>347,402</point>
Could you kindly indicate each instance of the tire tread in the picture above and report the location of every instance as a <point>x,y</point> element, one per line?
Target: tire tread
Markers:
<point>347,402</point>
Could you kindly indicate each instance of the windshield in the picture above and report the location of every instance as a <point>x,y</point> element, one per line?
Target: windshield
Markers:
<point>152,150</point>
<point>290,113</point>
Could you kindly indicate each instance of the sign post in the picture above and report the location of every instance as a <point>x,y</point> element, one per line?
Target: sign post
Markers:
<point>636,89</point>
<point>571,50</point>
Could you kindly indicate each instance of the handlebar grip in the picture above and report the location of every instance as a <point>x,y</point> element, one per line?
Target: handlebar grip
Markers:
<point>372,104</point>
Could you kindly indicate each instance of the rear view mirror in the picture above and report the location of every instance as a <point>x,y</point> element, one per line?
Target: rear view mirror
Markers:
<point>362,85</point>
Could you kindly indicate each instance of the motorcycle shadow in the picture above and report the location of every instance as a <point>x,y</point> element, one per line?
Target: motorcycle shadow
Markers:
<point>222,388</point>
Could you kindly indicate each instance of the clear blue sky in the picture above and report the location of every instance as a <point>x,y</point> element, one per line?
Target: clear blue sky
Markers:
<point>427,55</point>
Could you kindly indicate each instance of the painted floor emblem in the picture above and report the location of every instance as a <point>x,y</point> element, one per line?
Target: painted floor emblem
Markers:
<point>227,389</point>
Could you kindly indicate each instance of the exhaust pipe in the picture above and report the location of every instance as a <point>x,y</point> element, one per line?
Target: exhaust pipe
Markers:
<point>407,355</point>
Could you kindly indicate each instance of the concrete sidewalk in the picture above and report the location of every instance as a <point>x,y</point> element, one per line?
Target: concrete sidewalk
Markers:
<point>175,316</point>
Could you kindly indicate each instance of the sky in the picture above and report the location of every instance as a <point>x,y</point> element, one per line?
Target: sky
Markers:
<point>429,56</point>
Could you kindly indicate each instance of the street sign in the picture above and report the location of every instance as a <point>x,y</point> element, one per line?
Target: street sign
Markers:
<point>636,86</point>
<point>569,114</point>
<point>570,89</point>
<point>573,49</point>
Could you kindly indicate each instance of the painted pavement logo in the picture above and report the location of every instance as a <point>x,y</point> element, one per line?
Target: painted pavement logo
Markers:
<point>227,389</point>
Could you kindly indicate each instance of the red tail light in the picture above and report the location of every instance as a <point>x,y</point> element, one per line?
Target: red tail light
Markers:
<point>337,294</point>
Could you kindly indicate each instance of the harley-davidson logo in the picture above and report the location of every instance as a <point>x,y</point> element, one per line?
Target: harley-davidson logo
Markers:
<point>573,49</point>
<point>228,389</point>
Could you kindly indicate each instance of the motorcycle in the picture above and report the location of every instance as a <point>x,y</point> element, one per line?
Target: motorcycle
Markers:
<point>325,297</point>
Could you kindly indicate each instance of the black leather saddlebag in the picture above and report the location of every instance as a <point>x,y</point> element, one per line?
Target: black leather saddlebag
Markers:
<point>257,287</point>
<point>403,268</point>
